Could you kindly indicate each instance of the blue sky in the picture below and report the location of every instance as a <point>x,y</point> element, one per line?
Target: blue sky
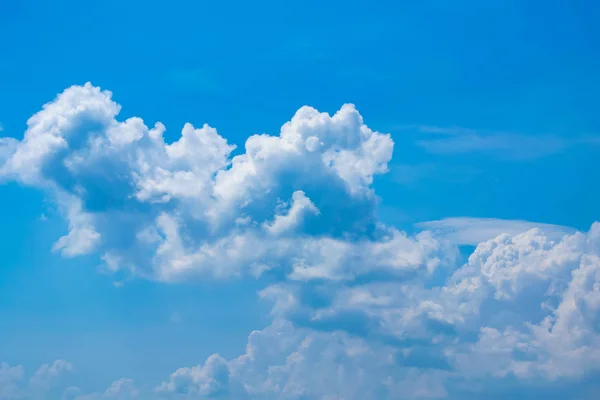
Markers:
<point>473,123</point>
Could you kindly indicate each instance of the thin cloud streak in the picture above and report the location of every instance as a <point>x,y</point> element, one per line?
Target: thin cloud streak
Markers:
<point>471,231</point>
<point>501,145</point>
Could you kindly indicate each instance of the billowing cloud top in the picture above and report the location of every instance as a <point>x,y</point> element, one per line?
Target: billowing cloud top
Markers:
<point>360,310</point>
<point>170,210</point>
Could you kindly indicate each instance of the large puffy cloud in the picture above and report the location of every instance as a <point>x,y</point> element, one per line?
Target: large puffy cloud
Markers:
<point>522,311</point>
<point>170,210</point>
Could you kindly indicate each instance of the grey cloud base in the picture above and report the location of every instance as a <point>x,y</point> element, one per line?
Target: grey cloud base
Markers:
<point>360,310</point>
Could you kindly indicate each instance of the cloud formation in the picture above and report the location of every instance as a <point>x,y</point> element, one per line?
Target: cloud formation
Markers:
<point>44,382</point>
<point>472,231</point>
<point>502,145</point>
<point>359,310</point>
<point>523,307</point>
<point>170,210</point>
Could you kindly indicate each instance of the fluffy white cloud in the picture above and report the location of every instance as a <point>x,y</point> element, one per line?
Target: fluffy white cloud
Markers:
<point>10,381</point>
<point>523,307</point>
<point>14,385</point>
<point>284,362</point>
<point>170,210</point>
<point>301,205</point>
<point>202,381</point>
<point>46,374</point>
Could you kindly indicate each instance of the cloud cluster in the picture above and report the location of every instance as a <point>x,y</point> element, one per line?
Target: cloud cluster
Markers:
<point>286,362</point>
<point>360,310</point>
<point>522,307</point>
<point>10,379</point>
<point>171,210</point>
<point>49,382</point>
<point>46,380</point>
<point>121,389</point>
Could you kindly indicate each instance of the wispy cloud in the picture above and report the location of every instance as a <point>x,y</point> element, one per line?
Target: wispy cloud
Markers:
<point>471,231</point>
<point>7,147</point>
<point>408,174</point>
<point>502,145</point>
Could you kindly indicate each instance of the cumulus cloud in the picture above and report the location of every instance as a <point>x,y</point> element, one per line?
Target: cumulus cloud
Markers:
<point>523,307</point>
<point>301,205</point>
<point>360,310</point>
<point>170,210</point>
<point>14,385</point>
<point>10,381</point>
<point>44,376</point>
<point>284,362</point>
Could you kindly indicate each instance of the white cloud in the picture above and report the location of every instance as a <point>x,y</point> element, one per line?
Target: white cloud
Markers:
<point>10,381</point>
<point>46,374</point>
<point>301,206</point>
<point>203,381</point>
<point>502,145</point>
<point>522,306</point>
<point>471,231</point>
<point>121,389</point>
<point>14,385</point>
<point>82,237</point>
<point>171,210</point>
<point>8,147</point>
<point>46,384</point>
<point>284,362</point>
